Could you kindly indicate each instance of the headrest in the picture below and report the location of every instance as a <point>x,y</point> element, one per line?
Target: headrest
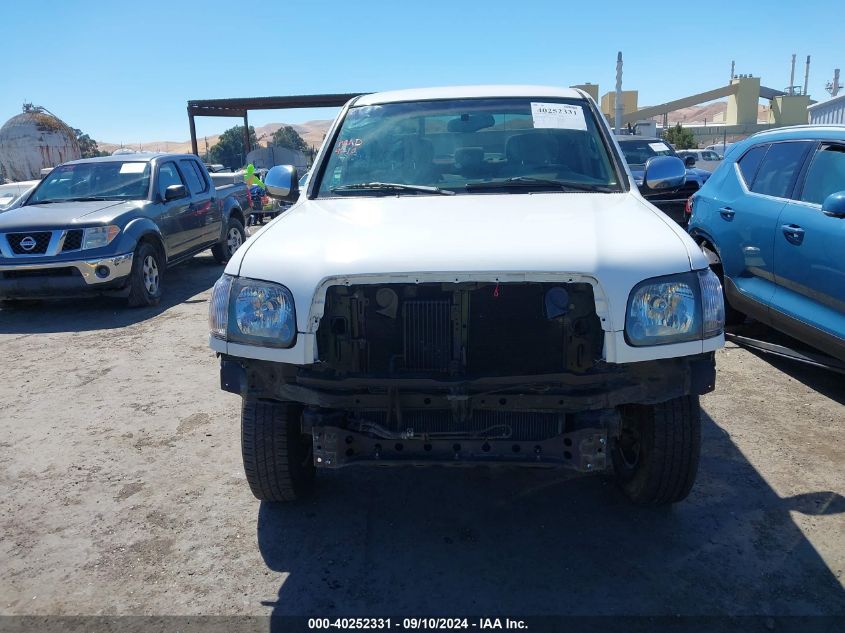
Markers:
<point>531,149</point>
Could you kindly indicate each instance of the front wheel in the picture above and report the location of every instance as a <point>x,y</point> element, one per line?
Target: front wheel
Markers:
<point>278,458</point>
<point>655,459</point>
<point>235,236</point>
<point>145,277</point>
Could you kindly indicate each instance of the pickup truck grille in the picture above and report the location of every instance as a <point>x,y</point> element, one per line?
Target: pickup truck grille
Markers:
<point>73,240</point>
<point>471,329</point>
<point>34,243</point>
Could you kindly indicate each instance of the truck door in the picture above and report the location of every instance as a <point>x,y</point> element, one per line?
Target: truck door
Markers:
<point>174,220</point>
<point>206,215</point>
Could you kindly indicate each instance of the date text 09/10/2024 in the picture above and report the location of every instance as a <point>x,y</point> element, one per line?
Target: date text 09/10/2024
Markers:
<point>417,623</point>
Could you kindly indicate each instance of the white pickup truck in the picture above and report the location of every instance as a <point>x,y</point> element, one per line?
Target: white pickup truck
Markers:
<point>471,276</point>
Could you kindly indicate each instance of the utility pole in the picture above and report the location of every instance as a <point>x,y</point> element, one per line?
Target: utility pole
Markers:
<point>618,106</point>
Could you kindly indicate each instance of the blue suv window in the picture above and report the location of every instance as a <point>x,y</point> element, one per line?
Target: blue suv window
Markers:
<point>780,167</point>
<point>750,162</point>
<point>826,174</point>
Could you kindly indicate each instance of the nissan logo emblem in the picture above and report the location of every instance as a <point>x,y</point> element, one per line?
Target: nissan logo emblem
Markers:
<point>28,243</point>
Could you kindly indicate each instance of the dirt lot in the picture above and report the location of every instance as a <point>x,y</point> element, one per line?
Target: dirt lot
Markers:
<point>121,492</point>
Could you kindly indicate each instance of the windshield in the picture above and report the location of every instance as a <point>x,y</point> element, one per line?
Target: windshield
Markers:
<point>467,146</point>
<point>638,151</point>
<point>111,180</point>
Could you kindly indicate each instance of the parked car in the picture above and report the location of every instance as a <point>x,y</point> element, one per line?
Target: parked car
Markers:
<point>12,194</point>
<point>112,225</point>
<point>720,148</point>
<point>772,223</point>
<point>638,150</point>
<point>450,290</point>
<point>705,159</point>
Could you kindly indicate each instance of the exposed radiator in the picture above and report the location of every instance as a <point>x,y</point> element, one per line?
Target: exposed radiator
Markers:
<point>427,335</point>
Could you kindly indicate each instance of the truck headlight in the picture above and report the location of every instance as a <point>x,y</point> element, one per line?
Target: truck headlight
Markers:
<point>675,309</point>
<point>99,236</point>
<point>252,312</point>
<point>218,307</point>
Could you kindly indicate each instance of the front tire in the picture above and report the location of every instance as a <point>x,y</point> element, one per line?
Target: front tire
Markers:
<point>655,460</point>
<point>232,240</point>
<point>278,458</point>
<point>146,276</point>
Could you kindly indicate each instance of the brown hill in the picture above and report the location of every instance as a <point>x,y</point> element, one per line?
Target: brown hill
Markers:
<point>312,132</point>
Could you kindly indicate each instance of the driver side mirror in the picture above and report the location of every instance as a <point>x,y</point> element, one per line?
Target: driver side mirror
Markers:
<point>689,161</point>
<point>282,182</point>
<point>174,192</point>
<point>834,205</point>
<point>663,174</point>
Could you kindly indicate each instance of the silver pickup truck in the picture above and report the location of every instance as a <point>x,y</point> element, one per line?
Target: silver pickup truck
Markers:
<point>112,225</point>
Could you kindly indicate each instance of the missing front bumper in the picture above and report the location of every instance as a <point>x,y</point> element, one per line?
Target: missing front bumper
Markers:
<point>583,450</point>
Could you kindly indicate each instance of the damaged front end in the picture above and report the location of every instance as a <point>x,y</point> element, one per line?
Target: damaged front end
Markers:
<point>464,372</point>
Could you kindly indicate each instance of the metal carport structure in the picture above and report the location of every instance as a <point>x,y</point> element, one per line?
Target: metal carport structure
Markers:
<point>241,108</point>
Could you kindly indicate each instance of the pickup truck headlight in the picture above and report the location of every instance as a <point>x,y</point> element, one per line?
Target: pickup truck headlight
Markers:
<point>675,309</point>
<point>99,236</point>
<point>252,312</point>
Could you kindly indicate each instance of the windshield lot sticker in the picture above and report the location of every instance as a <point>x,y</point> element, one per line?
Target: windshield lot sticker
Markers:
<point>558,116</point>
<point>132,168</point>
<point>659,147</point>
<point>349,147</point>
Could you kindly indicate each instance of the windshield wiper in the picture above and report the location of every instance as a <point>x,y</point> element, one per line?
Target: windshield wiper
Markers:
<point>526,181</point>
<point>91,199</point>
<point>390,186</point>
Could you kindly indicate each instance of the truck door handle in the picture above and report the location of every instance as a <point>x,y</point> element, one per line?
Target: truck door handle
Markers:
<point>727,213</point>
<point>794,234</point>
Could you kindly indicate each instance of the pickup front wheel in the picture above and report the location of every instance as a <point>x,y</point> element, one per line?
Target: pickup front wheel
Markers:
<point>235,236</point>
<point>146,275</point>
<point>655,459</point>
<point>278,458</point>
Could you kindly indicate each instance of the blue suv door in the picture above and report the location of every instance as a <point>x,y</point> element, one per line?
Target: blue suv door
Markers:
<point>738,213</point>
<point>809,260</point>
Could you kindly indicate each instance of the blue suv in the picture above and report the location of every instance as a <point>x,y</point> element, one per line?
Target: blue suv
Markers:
<point>771,220</point>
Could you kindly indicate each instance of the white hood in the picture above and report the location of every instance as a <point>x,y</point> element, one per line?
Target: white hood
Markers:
<point>617,239</point>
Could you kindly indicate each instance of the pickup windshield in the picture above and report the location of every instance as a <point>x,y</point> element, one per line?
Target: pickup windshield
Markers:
<point>638,151</point>
<point>467,146</point>
<point>111,180</point>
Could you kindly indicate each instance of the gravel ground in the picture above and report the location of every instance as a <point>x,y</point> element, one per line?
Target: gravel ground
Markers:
<point>121,492</point>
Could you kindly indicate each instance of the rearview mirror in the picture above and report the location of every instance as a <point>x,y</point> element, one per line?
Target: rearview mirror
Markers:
<point>834,205</point>
<point>282,182</point>
<point>689,161</point>
<point>662,174</point>
<point>174,192</point>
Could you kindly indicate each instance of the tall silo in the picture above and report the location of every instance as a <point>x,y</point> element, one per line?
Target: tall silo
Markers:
<point>33,140</point>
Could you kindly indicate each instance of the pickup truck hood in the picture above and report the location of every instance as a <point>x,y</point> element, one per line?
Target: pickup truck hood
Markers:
<point>63,214</point>
<point>617,239</point>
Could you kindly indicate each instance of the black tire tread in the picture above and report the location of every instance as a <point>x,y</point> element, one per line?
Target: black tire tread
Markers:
<point>271,446</point>
<point>138,296</point>
<point>671,437</point>
<point>218,251</point>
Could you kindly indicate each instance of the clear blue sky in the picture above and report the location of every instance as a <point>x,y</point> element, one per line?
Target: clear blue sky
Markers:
<point>124,71</point>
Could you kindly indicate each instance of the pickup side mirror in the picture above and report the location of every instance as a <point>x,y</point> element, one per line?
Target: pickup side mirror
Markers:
<point>282,182</point>
<point>689,161</point>
<point>663,174</point>
<point>834,205</point>
<point>174,192</point>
